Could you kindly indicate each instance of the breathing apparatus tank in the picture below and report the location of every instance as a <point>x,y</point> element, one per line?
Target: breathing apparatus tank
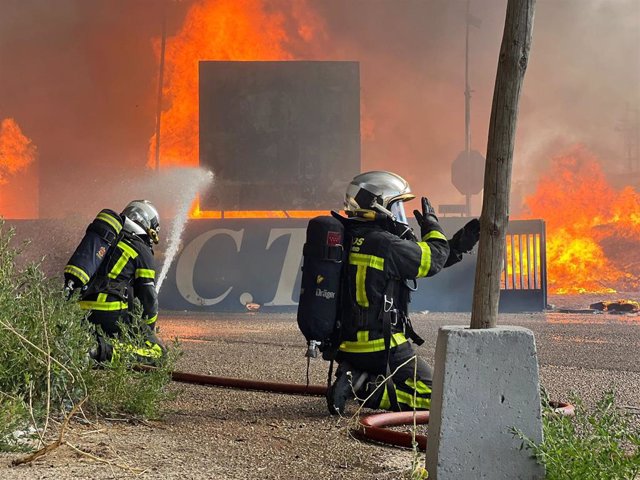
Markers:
<point>323,258</point>
<point>100,235</point>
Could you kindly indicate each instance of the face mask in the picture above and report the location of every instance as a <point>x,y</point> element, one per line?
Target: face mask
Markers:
<point>397,209</point>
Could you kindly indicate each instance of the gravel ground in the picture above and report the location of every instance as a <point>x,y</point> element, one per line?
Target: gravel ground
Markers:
<point>220,433</point>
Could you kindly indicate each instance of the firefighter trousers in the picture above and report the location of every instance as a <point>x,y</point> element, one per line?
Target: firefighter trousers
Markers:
<point>109,340</point>
<point>411,383</point>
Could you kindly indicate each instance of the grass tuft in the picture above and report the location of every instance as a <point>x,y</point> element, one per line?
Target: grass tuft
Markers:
<point>602,443</point>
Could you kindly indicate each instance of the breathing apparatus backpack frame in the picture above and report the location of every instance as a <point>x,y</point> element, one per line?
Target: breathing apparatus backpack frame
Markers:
<point>94,250</point>
<point>320,291</point>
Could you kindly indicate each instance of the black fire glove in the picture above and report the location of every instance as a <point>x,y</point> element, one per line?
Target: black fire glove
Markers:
<point>69,288</point>
<point>466,238</point>
<point>427,219</point>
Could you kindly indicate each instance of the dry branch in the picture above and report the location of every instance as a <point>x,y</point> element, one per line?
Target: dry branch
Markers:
<point>24,339</point>
<point>137,471</point>
<point>52,446</point>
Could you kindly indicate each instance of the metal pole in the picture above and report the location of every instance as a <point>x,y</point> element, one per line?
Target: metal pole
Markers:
<point>467,89</point>
<point>161,82</point>
<point>635,135</point>
<point>467,103</point>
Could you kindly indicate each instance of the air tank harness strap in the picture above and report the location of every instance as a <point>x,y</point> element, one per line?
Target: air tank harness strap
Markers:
<point>389,317</point>
<point>409,331</point>
<point>101,283</point>
<point>104,232</point>
<point>332,253</point>
<point>104,284</point>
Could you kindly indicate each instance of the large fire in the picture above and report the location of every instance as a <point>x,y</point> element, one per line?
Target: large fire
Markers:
<point>18,198</point>
<point>212,30</point>
<point>593,230</point>
<point>215,30</point>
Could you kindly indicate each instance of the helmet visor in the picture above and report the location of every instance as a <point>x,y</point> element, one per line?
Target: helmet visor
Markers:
<point>397,209</point>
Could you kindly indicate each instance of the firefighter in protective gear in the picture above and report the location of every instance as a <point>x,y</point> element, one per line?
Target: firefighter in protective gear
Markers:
<point>384,256</point>
<point>127,272</point>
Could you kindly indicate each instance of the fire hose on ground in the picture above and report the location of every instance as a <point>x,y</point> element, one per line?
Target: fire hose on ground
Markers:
<point>371,427</point>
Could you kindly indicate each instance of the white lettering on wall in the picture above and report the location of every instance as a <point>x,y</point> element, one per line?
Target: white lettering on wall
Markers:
<point>290,266</point>
<point>187,262</point>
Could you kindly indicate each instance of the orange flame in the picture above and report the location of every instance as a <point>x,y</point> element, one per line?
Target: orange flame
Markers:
<point>522,260</point>
<point>16,150</point>
<point>17,154</point>
<point>212,30</point>
<point>592,229</point>
<point>216,30</point>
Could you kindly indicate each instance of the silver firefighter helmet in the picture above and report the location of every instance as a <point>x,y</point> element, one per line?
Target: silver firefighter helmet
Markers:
<point>380,191</point>
<point>142,218</point>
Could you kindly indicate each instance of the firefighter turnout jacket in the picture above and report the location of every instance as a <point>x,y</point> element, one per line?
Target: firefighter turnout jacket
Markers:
<point>110,267</point>
<point>379,265</point>
<point>129,267</point>
<point>375,324</point>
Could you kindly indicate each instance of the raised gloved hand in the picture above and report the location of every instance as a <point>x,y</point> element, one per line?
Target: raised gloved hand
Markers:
<point>427,218</point>
<point>466,238</point>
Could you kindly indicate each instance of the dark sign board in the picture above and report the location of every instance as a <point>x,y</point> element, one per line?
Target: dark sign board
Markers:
<point>281,135</point>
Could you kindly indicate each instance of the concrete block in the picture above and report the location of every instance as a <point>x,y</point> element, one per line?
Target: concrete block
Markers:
<point>485,382</point>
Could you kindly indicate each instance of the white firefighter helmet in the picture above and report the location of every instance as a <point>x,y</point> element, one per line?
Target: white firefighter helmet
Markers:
<point>142,218</point>
<point>380,191</point>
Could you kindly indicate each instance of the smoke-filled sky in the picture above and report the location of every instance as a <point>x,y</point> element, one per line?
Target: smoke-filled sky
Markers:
<point>80,78</point>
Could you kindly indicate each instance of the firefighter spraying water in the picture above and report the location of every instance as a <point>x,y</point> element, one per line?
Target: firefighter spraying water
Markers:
<point>112,265</point>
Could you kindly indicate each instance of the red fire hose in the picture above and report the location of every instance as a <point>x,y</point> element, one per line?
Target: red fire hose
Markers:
<point>371,427</point>
<point>242,384</point>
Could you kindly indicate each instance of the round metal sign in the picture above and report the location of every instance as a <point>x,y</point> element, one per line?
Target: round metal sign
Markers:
<point>467,172</point>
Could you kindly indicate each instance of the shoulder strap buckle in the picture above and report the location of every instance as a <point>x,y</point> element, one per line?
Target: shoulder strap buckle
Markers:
<point>388,303</point>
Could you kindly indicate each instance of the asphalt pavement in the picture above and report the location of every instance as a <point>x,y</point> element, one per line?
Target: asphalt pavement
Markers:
<point>582,353</point>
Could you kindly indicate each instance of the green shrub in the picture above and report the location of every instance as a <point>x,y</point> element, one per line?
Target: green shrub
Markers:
<point>602,443</point>
<point>120,387</point>
<point>44,364</point>
<point>13,415</point>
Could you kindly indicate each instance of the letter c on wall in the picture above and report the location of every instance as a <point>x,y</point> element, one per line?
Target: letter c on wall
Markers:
<point>187,263</point>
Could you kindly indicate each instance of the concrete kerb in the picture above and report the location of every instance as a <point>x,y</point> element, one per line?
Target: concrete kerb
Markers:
<point>485,382</point>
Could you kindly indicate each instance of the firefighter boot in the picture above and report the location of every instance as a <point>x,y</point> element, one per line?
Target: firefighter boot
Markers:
<point>102,351</point>
<point>345,387</point>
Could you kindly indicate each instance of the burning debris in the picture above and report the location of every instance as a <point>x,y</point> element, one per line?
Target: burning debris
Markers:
<point>252,307</point>
<point>619,306</point>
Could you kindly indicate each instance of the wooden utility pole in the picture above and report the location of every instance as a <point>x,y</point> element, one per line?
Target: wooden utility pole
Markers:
<point>512,64</point>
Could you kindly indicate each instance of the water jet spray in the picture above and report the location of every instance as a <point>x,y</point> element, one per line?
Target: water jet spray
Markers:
<point>198,179</point>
